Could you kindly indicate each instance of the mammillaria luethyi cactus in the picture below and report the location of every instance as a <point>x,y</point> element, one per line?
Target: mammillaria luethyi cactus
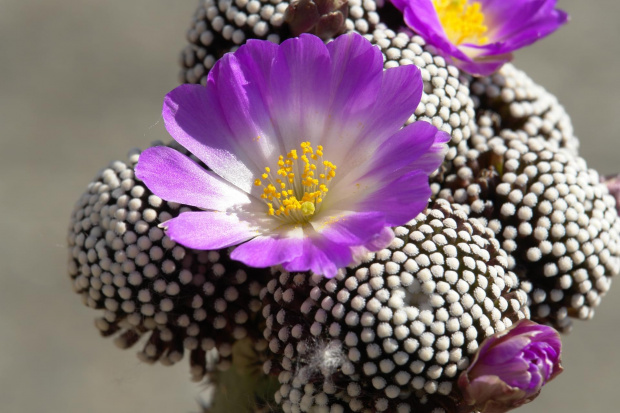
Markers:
<point>513,228</point>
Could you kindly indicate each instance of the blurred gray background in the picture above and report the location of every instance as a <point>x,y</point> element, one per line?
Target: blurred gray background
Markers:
<point>81,82</point>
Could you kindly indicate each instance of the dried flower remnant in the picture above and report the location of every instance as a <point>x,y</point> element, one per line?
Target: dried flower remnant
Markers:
<point>309,164</point>
<point>323,18</point>
<point>480,36</point>
<point>511,367</point>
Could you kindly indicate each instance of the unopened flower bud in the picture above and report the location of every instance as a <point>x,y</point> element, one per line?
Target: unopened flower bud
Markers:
<point>511,367</point>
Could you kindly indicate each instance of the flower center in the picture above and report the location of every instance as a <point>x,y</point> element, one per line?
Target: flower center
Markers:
<point>299,185</point>
<point>463,22</point>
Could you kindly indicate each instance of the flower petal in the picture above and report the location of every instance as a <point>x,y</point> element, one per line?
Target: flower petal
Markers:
<point>266,251</point>
<point>227,124</point>
<point>482,66</point>
<point>418,146</point>
<point>349,228</point>
<point>399,200</point>
<point>206,230</point>
<point>195,119</point>
<point>400,94</point>
<point>321,256</point>
<point>300,89</point>
<point>357,71</point>
<point>422,17</point>
<point>241,82</point>
<point>175,177</point>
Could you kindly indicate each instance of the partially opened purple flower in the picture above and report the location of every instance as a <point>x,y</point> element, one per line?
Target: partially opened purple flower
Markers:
<point>511,367</point>
<point>309,164</point>
<point>479,36</point>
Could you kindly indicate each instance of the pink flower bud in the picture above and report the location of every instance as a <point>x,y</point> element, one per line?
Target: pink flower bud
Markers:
<point>511,367</point>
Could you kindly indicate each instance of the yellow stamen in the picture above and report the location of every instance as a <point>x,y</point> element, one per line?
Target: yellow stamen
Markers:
<point>462,20</point>
<point>296,196</point>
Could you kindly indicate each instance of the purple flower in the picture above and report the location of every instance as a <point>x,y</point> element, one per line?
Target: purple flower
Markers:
<point>511,367</point>
<point>309,163</point>
<point>479,36</point>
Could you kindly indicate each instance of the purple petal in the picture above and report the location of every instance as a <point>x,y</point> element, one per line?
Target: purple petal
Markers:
<point>241,82</point>
<point>175,177</point>
<point>483,67</point>
<point>376,243</point>
<point>194,118</point>
<point>509,16</point>
<point>399,4</point>
<point>419,146</point>
<point>266,251</point>
<point>360,138</point>
<point>351,229</point>
<point>422,17</point>
<point>357,72</point>
<point>400,200</point>
<point>613,185</point>
<point>536,30</point>
<point>325,94</point>
<point>208,230</point>
<point>511,367</point>
<point>380,240</point>
<point>401,91</point>
<point>300,89</point>
<point>502,351</point>
<point>227,124</point>
<point>514,372</point>
<point>320,255</point>
<point>522,23</point>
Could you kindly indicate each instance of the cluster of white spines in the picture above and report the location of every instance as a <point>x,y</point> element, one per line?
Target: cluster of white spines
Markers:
<point>408,319</point>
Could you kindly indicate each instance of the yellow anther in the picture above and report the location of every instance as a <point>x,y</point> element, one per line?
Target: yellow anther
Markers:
<point>462,21</point>
<point>298,198</point>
